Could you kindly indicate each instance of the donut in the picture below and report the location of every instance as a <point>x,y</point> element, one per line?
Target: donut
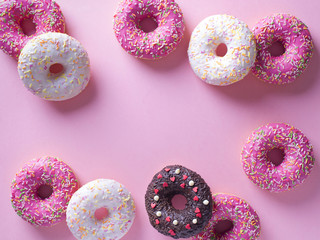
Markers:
<point>295,37</point>
<point>47,50</point>
<point>44,171</point>
<point>175,180</point>
<point>153,45</point>
<point>297,162</point>
<point>205,39</point>
<point>45,14</point>
<point>101,193</point>
<point>245,221</point>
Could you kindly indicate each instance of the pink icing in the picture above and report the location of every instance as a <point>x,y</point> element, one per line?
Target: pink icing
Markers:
<point>43,171</point>
<point>296,166</point>
<point>246,223</point>
<point>45,14</point>
<point>297,41</point>
<point>156,44</point>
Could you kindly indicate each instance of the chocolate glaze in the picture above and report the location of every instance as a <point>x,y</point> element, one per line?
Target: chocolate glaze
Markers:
<point>167,183</point>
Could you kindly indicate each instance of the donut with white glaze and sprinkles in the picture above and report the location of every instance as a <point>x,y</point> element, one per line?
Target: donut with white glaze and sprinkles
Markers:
<point>245,222</point>
<point>149,45</point>
<point>167,183</point>
<point>295,167</point>
<point>44,171</point>
<point>45,14</point>
<point>97,194</point>
<point>46,51</point>
<point>207,37</point>
<point>296,39</point>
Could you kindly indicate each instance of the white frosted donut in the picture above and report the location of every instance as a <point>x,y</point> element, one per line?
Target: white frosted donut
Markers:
<point>205,39</point>
<point>47,50</point>
<point>101,193</point>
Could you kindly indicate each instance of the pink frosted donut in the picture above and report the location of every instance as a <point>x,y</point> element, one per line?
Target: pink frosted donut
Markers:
<point>37,173</point>
<point>45,14</point>
<point>295,37</point>
<point>156,44</point>
<point>245,221</point>
<point>295,167</point>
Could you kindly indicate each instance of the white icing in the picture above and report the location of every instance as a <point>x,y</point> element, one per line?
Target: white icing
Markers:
<point>45,50</point>
<point>205,39</point>
<point>101,193</point>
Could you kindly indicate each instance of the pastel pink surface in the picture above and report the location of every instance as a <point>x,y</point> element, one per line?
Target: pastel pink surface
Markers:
<point>137,116</point>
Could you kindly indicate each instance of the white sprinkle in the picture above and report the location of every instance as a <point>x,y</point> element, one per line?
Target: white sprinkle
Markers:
<point>191,183</point>
<point>194,221</point>
<point>158,214</point>
<point>177,171</point>
<point>205,202</point>
<point>156,198</point>
<point>175,222</point>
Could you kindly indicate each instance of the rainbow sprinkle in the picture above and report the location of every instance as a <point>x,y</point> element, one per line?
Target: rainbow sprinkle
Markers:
<point>45,14</point>
<point>43,171</point>
<point>153,45</point>
<point>297,41</point>
<point>294,169</point>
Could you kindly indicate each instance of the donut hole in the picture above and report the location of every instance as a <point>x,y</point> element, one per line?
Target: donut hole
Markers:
<point>101,213</point>
<point>276,49</point>
<point>148,24</point>
<point>223,226</point>
<point>28,26</point>
<point>44,191</point>
<point>221,50</point>
<point>178,201</point>
<point>56,68</point>
<point>275,156</point>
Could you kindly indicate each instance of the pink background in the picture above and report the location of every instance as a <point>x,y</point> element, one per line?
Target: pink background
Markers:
<point>137,116</point>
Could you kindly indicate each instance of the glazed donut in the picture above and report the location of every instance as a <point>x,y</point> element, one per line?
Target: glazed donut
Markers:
<point>47,50</point>
<point>101,193</point>
<point>156,44</point>
<point>296,39</point>
<point>297,163</point>
<point>24,191</point>
<point>245,220</point>
<point>167,183</point>
<point>207,36</point>
<point>45,14</point>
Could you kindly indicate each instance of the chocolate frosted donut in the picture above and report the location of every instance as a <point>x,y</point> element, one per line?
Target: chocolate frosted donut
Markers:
<point>167,183</point>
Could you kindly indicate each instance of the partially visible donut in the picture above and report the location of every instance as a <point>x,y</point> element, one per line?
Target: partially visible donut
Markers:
<point>45,14</point>
<point>295,167</point>
<point>207,37</point>
<point>167,183</point>
<point>101,193</point>
<point>47,50</point>
<point>245,221</point>
<point>29,205</point>
<point>295,37</point>
<point>156,44</point>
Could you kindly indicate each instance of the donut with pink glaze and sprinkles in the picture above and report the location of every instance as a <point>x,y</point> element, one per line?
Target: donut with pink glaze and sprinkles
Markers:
<point>156,44</point>
<point>45,14</point>
<point>25,198</point>
<point>295,167</point>
<point>245,221</point>
<point>295,37</point>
